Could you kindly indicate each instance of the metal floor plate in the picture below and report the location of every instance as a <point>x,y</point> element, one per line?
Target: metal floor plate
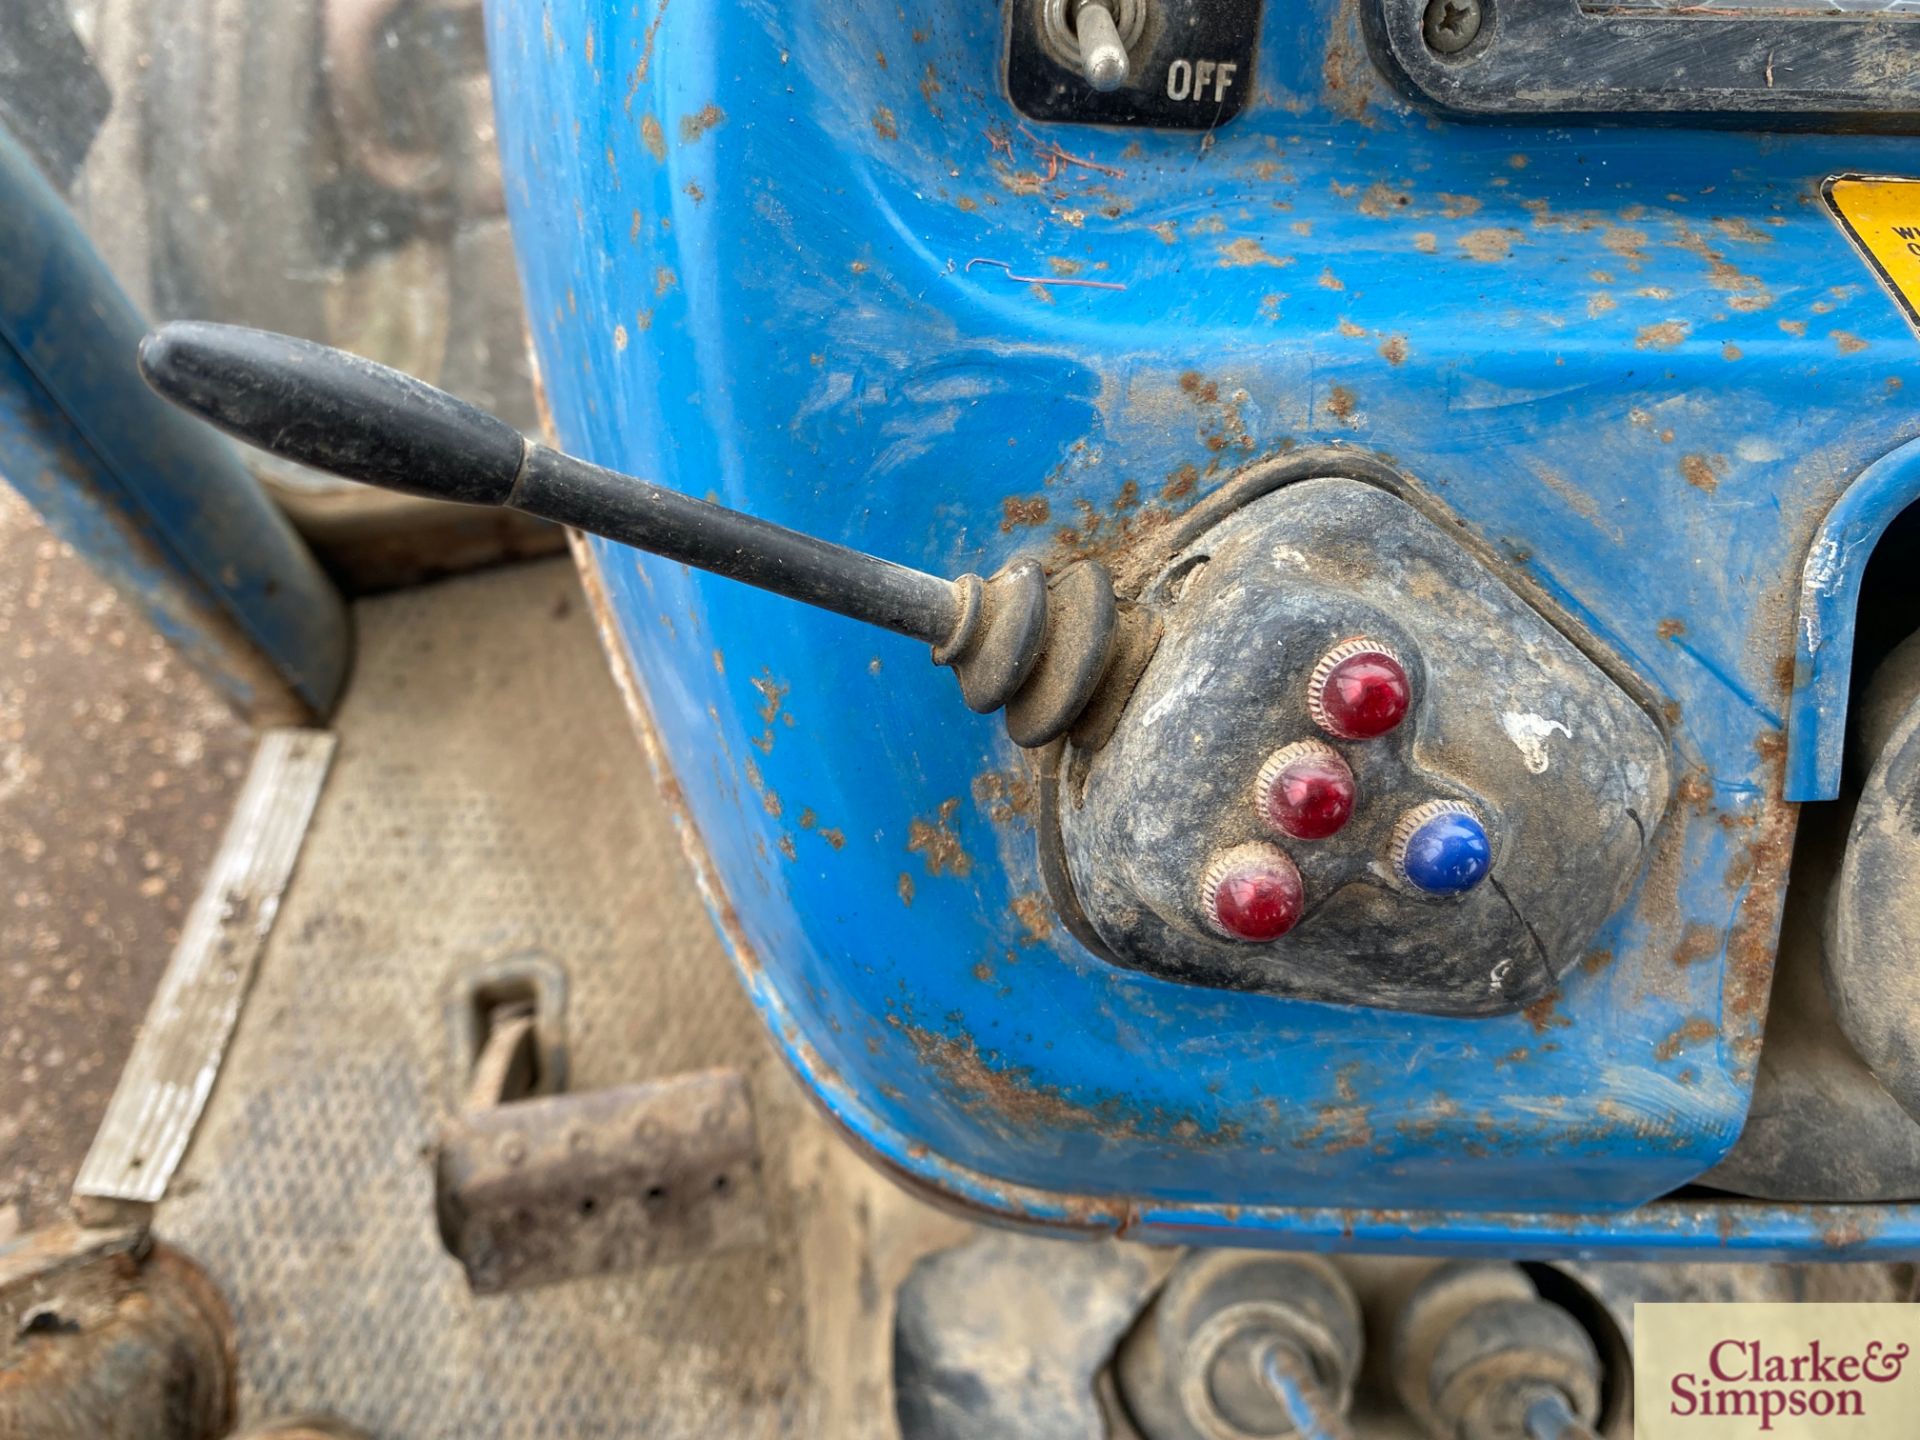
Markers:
<point>177,1057</point>
<point>487,798</point>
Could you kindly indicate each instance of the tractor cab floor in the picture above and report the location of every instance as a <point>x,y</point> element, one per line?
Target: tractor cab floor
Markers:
<point>488,798</point>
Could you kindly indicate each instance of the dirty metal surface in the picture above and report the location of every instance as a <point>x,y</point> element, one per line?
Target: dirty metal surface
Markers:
<point>168,1077</point>
<point>1633,377</point>
<point>90,1269</point>
<point>570,1186</point>
<point>1187,1370</point>
<point>1830,588</point>
<point>1008,1335</point>
<point>988,1346</point>
<point>1779,63</point>
<point>118,767</point>
<point>484,802</point>
<point>106,1337</point>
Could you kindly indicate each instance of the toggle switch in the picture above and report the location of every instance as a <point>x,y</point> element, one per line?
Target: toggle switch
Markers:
<point>1166,64</point>
<point>1103,56</point>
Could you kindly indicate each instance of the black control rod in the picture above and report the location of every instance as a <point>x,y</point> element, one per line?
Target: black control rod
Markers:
<point>1040,650</point>
<point>351,417</point>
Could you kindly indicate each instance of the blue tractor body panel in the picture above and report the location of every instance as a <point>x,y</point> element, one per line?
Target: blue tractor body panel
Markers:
<point>1636,368</point>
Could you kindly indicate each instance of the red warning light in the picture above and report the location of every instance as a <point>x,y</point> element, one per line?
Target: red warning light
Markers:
<point>1306,790</point>
<point>1253,893</point>
<point>1359,691</point>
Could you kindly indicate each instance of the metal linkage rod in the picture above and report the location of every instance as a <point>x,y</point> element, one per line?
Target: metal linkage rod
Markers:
<point>1289,1377</point>
<point>1550,1417</point>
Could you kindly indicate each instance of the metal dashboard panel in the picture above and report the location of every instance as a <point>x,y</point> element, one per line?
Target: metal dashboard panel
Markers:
<point>1768,62</point>
<point>1635,376</point>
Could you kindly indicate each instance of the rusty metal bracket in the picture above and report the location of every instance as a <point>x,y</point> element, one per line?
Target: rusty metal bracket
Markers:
<point>524,984</point>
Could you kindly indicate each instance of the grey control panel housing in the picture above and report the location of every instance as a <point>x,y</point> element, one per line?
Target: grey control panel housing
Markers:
<point>1568,770</point>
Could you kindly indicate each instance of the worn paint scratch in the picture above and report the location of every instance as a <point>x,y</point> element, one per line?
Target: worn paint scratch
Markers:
<point>1530,734</point>
<point>936,843</point>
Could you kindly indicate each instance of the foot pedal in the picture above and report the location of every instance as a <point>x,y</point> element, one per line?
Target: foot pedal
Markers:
<point>532,1189</point>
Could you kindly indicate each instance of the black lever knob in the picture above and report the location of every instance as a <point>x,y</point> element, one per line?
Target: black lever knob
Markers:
<point>1040,648</point>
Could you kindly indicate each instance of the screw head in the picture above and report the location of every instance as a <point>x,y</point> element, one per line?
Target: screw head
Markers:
<point>1451,25</point>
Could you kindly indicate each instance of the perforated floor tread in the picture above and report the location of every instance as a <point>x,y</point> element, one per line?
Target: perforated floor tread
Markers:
<point>487,798</point>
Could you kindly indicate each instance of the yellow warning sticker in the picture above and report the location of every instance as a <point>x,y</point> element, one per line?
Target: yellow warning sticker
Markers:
<point>1881,215</point>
